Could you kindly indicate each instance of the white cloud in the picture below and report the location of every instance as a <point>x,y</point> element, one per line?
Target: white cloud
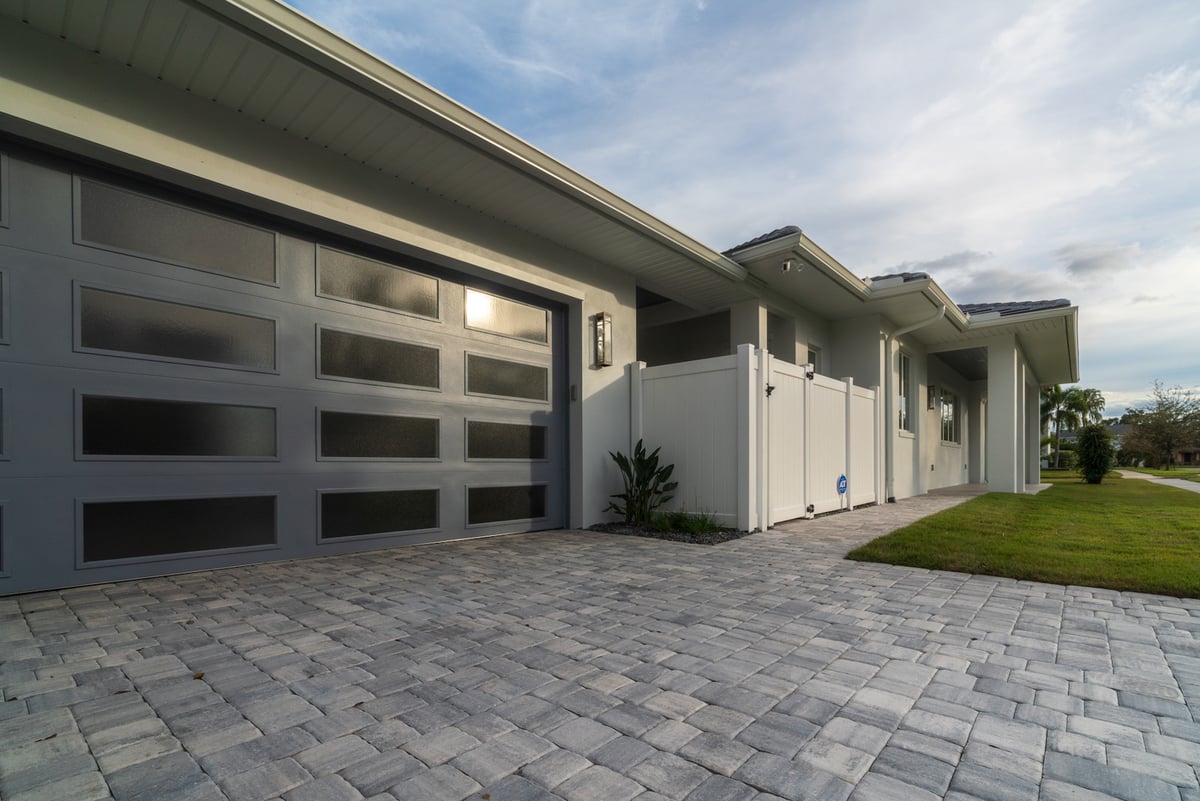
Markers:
<point>1033,149</point>
<point>1092,259</point>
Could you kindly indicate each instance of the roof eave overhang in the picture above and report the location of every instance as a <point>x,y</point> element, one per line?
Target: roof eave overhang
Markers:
<point>1040,342</point>
<point>301,37</point>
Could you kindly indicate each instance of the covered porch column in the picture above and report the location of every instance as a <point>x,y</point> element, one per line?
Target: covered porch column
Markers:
<point>1033,429</point>
<point>1006,430</point>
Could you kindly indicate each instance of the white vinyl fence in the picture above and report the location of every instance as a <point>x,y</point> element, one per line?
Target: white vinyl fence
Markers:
<point>757,441</point>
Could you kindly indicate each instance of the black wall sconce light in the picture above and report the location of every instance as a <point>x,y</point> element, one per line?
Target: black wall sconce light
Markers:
<point>602,349</point>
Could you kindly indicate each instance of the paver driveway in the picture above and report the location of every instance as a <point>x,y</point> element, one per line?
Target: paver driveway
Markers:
<point>589,666</point>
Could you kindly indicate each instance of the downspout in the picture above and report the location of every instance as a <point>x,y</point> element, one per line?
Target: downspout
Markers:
<point>889,405</point>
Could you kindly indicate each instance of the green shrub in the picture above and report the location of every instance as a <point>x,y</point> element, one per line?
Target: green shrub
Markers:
<point>1095,450</point>
<point>646,485</point>
<point>691,522</point>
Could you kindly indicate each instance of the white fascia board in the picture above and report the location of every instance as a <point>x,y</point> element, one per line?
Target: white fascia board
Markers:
<point>979,323</point>
<point>1014,323</point>
<point>306,40</point>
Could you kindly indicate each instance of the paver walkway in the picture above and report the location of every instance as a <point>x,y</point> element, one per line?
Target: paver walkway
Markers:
<point>585,666</point>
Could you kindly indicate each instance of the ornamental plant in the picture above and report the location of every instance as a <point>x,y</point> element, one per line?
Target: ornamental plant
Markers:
<point>647,485</point>
<point>1094,452</point>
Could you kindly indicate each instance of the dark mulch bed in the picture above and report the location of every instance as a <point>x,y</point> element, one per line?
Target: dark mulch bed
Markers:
<point>707,538</point>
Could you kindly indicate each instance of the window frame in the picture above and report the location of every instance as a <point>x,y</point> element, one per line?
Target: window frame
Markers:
<point>78,238</point>
<point>81,502</point>
<point>438,285</point>
<point>77,335</point>
<point>80,456</point>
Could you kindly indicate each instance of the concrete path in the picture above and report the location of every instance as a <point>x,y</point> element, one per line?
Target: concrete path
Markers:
<point>1193,486</point>
<point>589,667</point>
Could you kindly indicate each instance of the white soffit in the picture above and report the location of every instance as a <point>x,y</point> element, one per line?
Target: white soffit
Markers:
<point>270,63</point>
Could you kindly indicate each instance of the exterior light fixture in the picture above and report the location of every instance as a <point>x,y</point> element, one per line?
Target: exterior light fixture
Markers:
<point>602,339</point>
<point>933,394</point>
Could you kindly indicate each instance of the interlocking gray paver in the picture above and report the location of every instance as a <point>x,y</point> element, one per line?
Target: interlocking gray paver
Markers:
<point>376,774</point>
<point>517,788</point>
<point>789,779</point>
<point>1111,733</point>
<point>555,768</point>
<point>332,756</point>
<point>582,735</point>
<point>326,788</point>
<point>721,788</point>
<point>831,757</point>
<point>720,720</point>
<point>622,754</point>
<point>668,774</point>
<point>991,784</point>
<point>1053,790</point>
<point>1179,773</point>
<point>881,787</point>
<point>441,783</point>
<point>914,768</point>
<point>1123,784</point>
<point>938,725</point>
<point>162,777</point>
<point>702,658</point>
<point>717,753</point>
<point>598,783</point>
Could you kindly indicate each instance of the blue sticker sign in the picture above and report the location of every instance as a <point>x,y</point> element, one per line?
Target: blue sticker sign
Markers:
<point>842,485</point>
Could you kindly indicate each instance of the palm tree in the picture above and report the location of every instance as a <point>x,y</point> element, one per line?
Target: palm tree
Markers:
<point>1089,403</point>
<point>1059,408</point>
<point>1069,409</point>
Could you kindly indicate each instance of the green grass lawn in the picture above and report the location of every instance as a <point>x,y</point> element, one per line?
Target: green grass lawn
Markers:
<point>1124,534</point>
<point>1186,473</point>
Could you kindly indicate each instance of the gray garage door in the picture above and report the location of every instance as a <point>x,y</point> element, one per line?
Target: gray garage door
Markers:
<point>186,386</point>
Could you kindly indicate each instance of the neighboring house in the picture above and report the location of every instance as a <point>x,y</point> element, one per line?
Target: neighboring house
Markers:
<point>263,296</point>
<point>1118,431</point>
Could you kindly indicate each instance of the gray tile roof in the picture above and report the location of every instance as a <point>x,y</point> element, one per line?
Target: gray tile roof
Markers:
<point>778,233</point>
<point>1015,307</point>
<point>1006,309</point>
<point>906,276</point>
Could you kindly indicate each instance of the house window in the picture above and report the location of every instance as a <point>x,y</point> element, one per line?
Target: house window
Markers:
<point>904,403</point>
<point>950,417</point>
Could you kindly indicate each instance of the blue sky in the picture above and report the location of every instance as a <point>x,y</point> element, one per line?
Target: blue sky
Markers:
<point>1015,151</point>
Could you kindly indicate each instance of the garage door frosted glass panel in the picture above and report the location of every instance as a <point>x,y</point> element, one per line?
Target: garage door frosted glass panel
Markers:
<point>348,435</point>
<point>487,376</point>
<point>138,427</point>
<point>127,221</point>
<point>497,504</point>
<point>366,281</point>
<point>357,514</point>
<point>385,361</point>
<point>137,325</point>
<point>132,529</point>
<point>505,441</point>
<point>498,315</point>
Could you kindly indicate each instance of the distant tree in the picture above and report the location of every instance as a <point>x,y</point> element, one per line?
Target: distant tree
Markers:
<point>1088,402</point>
<point>1094,449</point>
<point>1068,409</point>
<point>1170,421</point>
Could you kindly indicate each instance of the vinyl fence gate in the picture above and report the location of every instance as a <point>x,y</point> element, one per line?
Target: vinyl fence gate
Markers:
<point>757,441</point>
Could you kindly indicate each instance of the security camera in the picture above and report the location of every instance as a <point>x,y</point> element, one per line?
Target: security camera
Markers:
<point>787,265</point>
